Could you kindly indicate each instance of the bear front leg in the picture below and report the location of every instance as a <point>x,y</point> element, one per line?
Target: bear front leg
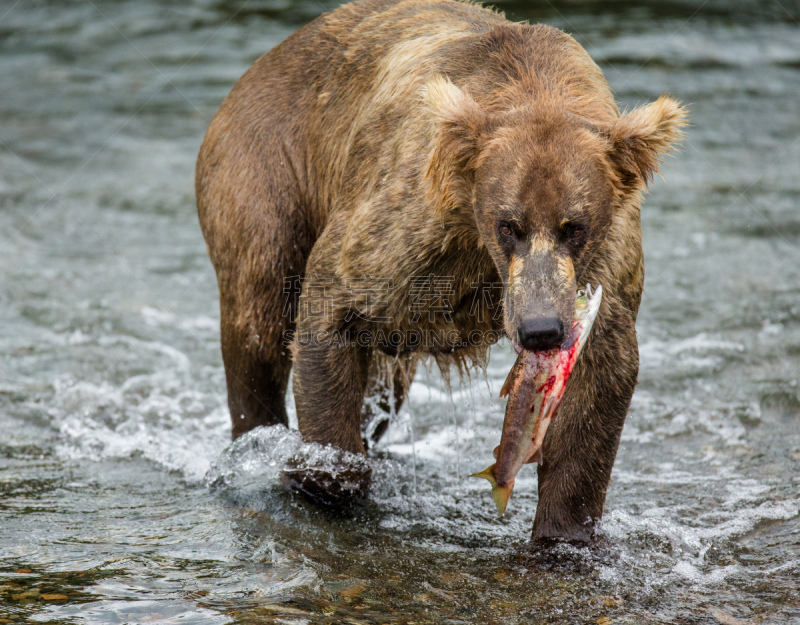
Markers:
<point>329,382</point>
<point>581,445</point>
<point>330,378</point>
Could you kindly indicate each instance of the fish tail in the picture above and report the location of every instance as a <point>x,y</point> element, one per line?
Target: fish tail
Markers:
<point>500,494</point>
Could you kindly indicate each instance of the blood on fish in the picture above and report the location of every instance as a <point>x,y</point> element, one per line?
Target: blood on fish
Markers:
<point>548,385</point>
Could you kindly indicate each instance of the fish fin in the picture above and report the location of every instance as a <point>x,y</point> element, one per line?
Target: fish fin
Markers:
<point>536,456</point>
<point>547,408</point>
<point>508,383</point>
<point>551,409</point>
<point>510,378</point>
<point>500,494</point>
<point>496,452</point>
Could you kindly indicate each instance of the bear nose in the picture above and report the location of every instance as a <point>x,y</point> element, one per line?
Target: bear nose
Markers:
<point>540,334</point>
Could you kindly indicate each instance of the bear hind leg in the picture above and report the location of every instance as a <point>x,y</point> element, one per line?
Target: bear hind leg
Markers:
<point>257,374</point>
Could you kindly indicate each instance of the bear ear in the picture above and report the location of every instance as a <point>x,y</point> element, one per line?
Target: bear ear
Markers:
<point>459,124</point>
<point>640,137</point>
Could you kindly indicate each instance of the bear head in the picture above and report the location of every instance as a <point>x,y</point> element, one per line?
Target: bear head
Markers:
<point>543,184</point>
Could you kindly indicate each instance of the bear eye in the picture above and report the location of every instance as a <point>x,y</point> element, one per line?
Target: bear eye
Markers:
<point>574,233</point>
<point>505,229</point>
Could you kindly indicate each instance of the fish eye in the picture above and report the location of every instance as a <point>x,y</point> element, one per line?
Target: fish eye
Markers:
<point>581,293</point>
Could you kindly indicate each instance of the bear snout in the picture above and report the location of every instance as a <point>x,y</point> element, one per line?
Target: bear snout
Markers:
<point>540,333</point>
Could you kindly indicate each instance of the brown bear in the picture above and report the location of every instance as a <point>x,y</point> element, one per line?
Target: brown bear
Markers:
<point>393,143</point>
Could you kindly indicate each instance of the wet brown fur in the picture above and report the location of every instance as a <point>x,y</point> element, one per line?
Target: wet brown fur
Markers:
<point>388,139</point>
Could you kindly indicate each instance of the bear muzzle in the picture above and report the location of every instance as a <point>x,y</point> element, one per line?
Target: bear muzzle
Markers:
<point>540,333</point>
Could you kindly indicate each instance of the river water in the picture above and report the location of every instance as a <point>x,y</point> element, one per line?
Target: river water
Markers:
<point>118,486</point>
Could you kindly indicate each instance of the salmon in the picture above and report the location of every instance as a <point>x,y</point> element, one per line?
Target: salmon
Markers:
<point>535,387</point>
